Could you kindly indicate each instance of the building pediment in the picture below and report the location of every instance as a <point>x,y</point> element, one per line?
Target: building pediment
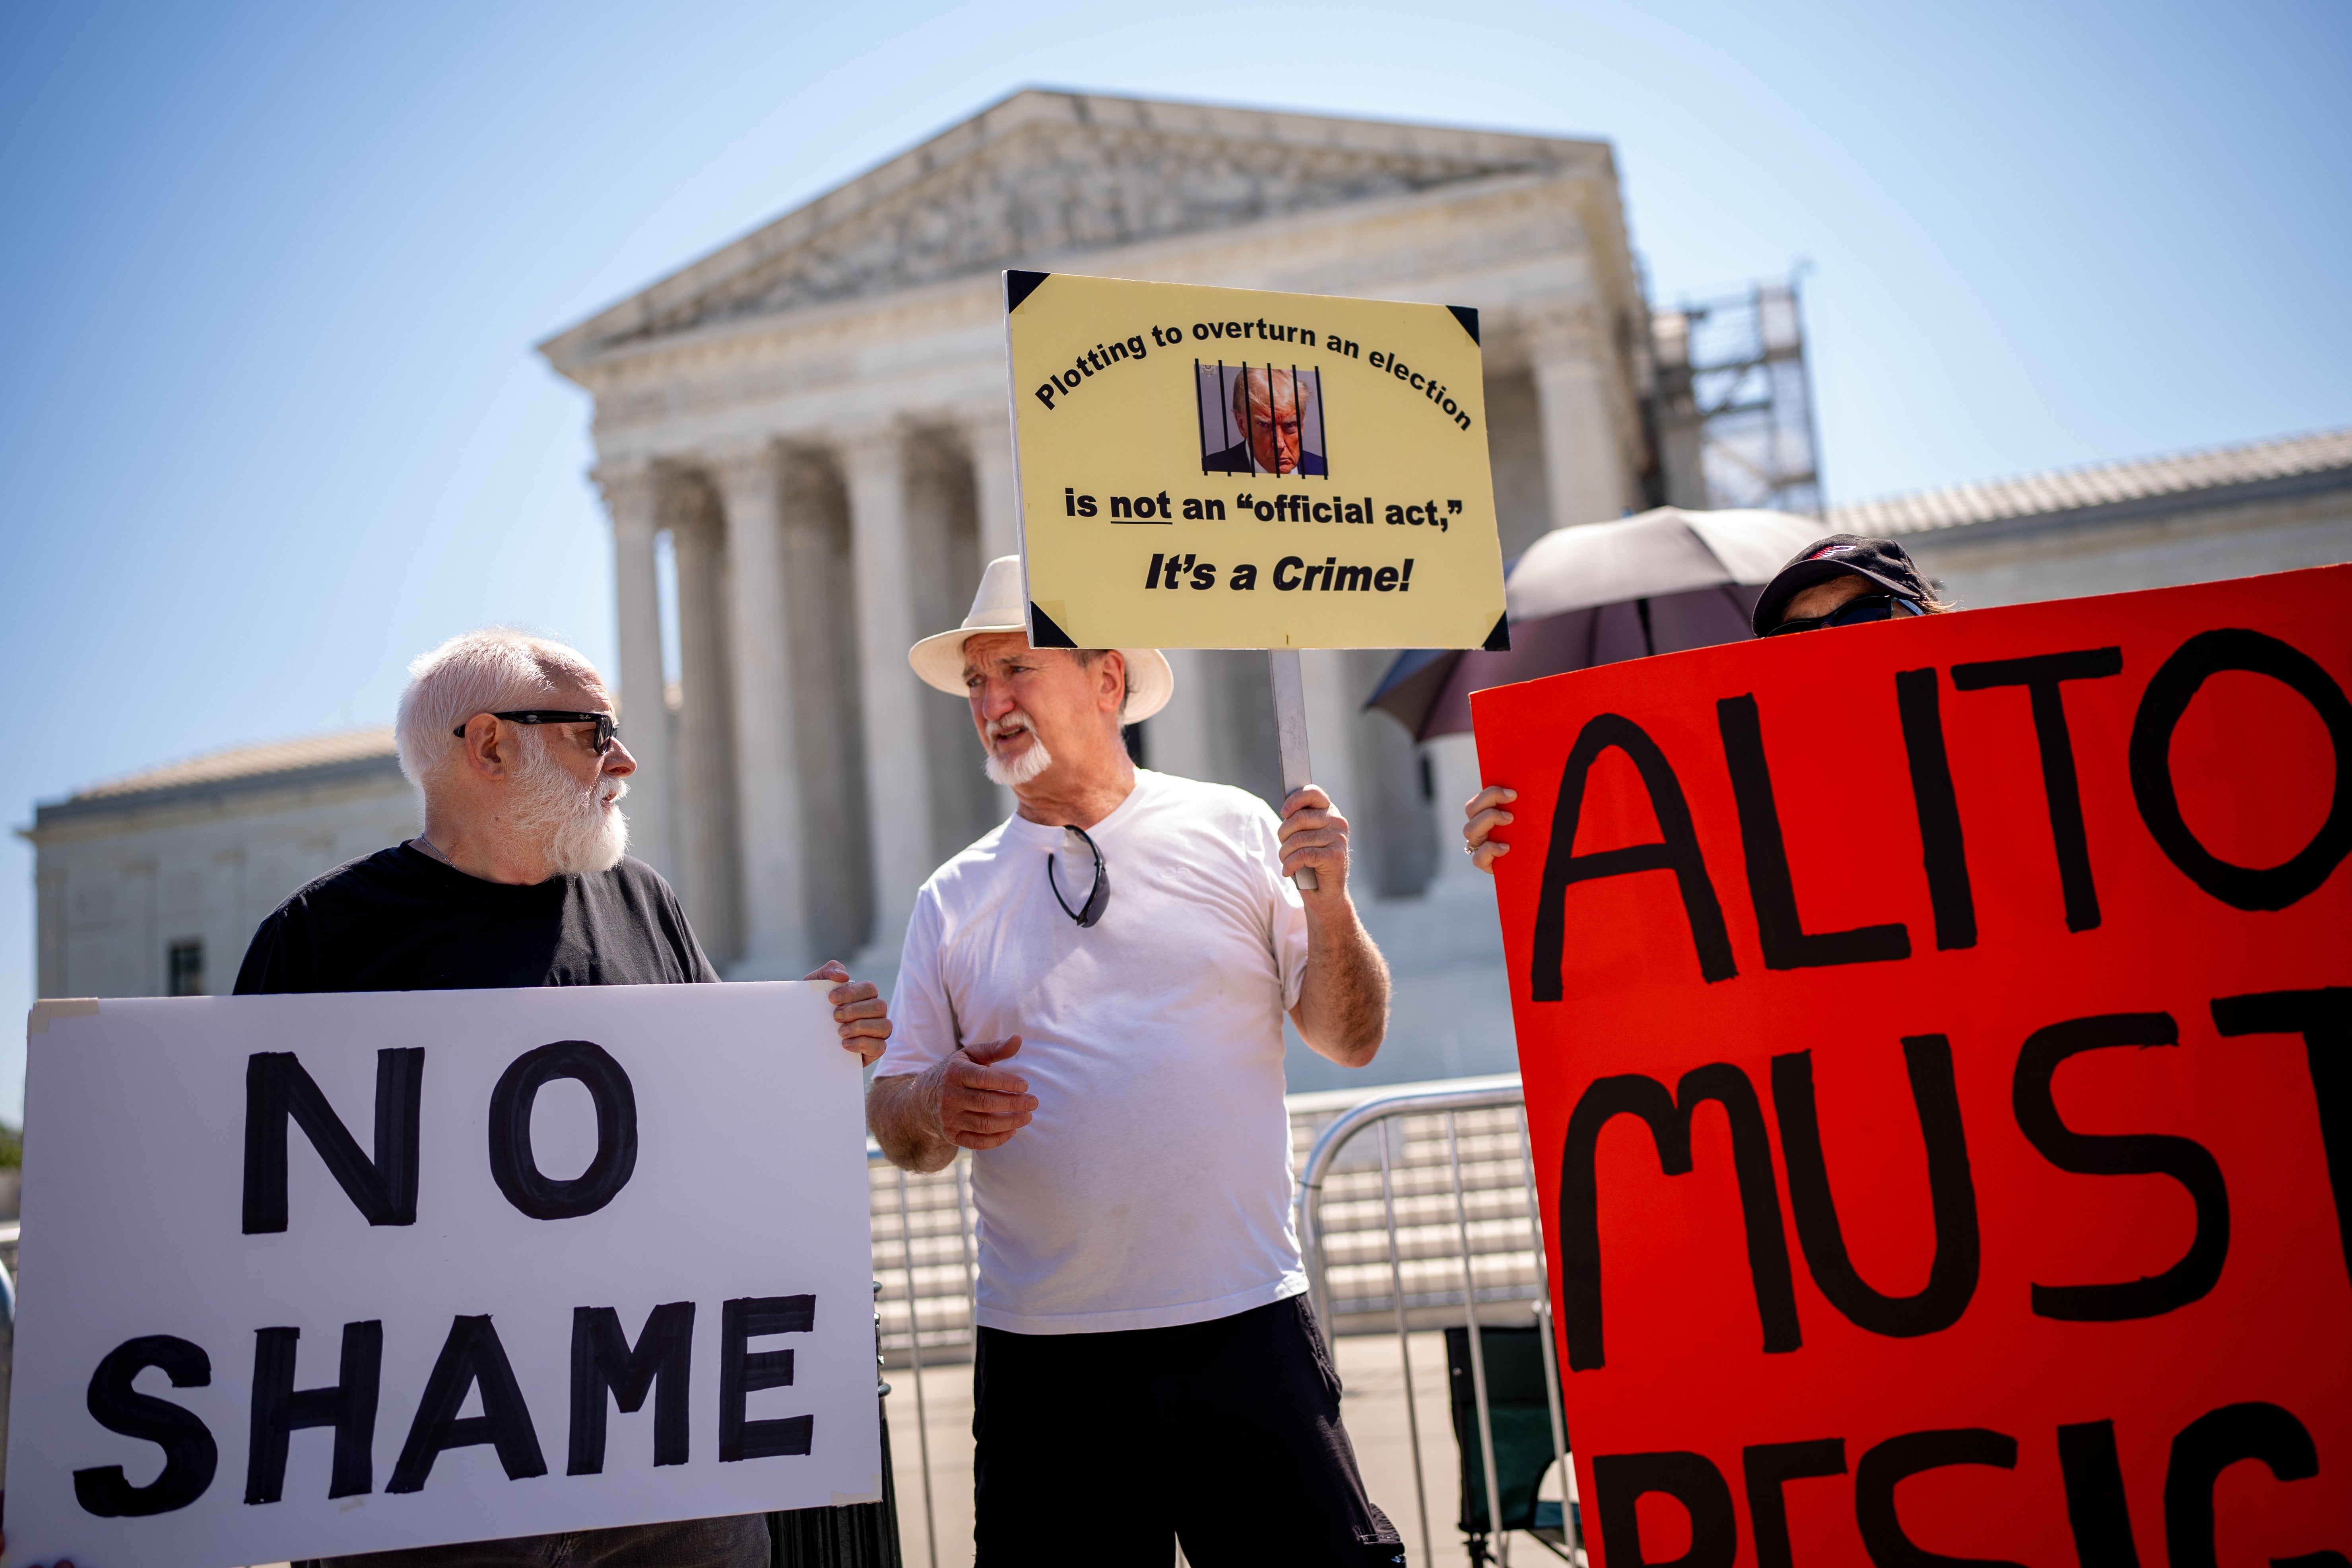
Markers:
<point>1041,176</point>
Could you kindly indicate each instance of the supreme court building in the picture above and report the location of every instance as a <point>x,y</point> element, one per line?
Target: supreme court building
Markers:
<point>804,444</point>
<point>815,417</point>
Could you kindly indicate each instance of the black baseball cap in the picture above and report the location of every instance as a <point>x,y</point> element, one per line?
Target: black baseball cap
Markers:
<point>1879,559</point>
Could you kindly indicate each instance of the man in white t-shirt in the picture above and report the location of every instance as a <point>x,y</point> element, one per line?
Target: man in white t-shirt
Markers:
<point>1091,998</point>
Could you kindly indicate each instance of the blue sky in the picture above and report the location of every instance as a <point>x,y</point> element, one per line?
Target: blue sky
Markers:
<point>270,423</point>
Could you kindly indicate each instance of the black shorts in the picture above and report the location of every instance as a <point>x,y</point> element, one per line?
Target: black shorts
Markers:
<point>1106,1449</point>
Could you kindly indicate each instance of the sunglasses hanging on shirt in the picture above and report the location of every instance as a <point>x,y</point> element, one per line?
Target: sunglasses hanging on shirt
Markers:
<point>1098,899</point>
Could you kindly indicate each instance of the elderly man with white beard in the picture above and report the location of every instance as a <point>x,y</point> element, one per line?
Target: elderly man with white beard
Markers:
<point>519,879</point>
<point>1092,997</point>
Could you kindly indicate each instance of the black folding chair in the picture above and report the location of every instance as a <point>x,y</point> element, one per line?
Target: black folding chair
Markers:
<point>1520,1411</point>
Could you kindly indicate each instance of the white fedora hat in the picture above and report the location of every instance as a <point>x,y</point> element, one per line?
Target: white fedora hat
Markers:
<point>998,607</point>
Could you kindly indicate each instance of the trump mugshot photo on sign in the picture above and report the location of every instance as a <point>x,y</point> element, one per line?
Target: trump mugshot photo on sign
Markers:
<point>315,1275</point>
<point>1225,468</point>
<point>1938,1040</point>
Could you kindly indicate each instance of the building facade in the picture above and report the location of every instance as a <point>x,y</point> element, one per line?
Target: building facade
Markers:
<point>813,422</point>
<point>153,884</point>
<point>803,443</point>
<point>2110,528</point>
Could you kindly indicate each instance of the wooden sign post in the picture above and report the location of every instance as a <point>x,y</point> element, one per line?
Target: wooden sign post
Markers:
<point>1290,732</point>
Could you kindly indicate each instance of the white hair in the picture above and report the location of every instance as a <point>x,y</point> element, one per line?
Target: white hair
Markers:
<point>579,830</point>
<point>482,671</point>
<point>1032,762</point>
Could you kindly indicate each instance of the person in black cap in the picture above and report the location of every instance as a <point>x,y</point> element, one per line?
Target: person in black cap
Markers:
<point>1843,580</point>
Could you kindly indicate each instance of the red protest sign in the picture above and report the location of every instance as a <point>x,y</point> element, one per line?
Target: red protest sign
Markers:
<point>1938,1040</point>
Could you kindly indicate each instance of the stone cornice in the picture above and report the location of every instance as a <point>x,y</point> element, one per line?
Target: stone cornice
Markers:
<point>1511,244</point>
<point>1165,170</point>
<point>58,819</point>
<point>972,302</point>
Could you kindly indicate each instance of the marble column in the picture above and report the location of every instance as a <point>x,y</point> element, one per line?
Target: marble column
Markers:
<point>989,431</point>
<point>767,783</point>
<point>1582,463</point>
<point>1331,734</point>
<point>1453,779</point>
<point>898,780</point>
<point>707,841</point>
<point>632,497</point>
<point>1180,739</point>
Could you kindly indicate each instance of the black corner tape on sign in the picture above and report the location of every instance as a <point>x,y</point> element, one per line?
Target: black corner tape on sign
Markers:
<point>1044,633</point>
<point>1499,639</point>
<point>1468,316</point>
<point>1020,285</point>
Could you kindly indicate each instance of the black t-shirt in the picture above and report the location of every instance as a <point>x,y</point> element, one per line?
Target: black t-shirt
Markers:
<point>399,920</point>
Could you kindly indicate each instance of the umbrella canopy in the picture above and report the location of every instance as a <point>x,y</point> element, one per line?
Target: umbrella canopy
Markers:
<point>1660,583</point>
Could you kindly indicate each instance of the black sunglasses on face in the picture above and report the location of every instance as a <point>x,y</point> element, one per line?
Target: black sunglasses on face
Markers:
<point>607,725</point>
<point>1099,899</point>
<point>1854,612</point>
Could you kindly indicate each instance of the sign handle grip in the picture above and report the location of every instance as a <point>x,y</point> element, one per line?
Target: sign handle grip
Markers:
<point>1290,729</point>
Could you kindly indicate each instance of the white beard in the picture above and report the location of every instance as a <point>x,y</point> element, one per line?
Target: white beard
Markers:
<point>576,830</point>
<point>1032,762</point>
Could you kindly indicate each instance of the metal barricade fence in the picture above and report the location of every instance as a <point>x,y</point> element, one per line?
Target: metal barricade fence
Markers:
<point>1416,1211</point>
<point>925,1270</point>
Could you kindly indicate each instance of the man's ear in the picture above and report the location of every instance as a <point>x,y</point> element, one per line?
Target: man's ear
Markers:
<point>487,755</point>
<point>1112,674</point>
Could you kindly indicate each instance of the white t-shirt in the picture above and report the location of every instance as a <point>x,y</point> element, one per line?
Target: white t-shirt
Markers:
<point>1152,1187</point>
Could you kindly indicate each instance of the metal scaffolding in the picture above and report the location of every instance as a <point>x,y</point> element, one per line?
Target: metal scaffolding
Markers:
<point>1732,406</point>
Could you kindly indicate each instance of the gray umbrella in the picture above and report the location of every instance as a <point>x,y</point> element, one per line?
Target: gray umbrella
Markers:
<point>1601,592</point>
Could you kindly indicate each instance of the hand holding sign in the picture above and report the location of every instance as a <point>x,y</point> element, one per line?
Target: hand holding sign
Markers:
<point>1485,812</point>
<point>858,1008</point>
<point>1314,842</point>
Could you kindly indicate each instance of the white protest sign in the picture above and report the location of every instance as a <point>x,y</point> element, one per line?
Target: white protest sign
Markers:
<point>307,1275</point>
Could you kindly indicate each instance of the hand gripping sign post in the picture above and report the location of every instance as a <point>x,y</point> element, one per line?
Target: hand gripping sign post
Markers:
<point>1938,1040</point>
<point>1224,468</point>
<point>308,1276</point>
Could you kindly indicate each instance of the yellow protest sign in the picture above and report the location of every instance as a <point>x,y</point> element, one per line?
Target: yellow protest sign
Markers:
<point>1228,468</point>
